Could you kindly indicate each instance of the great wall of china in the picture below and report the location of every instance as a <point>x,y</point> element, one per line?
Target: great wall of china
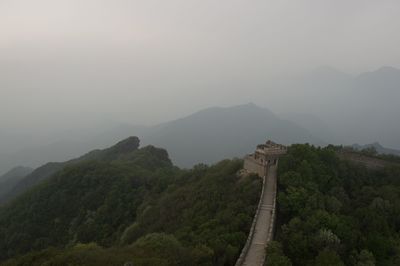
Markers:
<point>264,162</point>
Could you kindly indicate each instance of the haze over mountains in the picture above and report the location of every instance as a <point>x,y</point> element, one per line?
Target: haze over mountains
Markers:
<point>125,125</point>
<point>204,137</point>
<point>378,148</point>
<point>334,107</point>
<point>357,109</point>
<point>10,179</point>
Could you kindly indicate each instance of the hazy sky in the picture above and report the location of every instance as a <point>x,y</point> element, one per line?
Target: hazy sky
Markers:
<point>153,60</point>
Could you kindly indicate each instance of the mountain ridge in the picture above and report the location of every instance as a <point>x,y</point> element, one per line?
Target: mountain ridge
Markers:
<point>224,132</point>
<point>10,179</point>
<point>378,147</point>
<point>236,127</point>
<point>41,173</point>
<point>131,205</point>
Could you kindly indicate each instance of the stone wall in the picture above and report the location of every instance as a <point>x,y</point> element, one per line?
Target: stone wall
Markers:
<point>253,166</point>
<point>250,236</point>
<point>367,161</point>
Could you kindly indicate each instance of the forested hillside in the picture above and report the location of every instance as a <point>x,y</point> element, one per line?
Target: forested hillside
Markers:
<point>334,212</point>
<point>126,204</point>
<point>131,206</point>
<point>45,171</point>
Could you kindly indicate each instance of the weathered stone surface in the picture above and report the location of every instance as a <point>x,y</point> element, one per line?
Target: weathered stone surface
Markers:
<point>264,224</point>
<point>265,155</point>
<point>263,162</point>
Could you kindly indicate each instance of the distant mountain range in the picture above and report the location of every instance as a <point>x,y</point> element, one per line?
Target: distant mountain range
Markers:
<point>334,107</point>
<point>203,137</point>
<point>216,133</point>
<point>355,109</point>
<point>378,147</point>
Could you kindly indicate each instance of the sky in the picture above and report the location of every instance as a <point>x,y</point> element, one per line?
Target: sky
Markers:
<point>65,62</point>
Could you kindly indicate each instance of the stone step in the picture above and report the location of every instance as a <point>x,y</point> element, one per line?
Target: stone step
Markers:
<point>266,207</point>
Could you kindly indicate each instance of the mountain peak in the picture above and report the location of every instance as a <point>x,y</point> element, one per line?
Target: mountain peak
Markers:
<point>250,104</point>
<point>383,72</point>
<point>388,69</point>
<point>246,106</point>
<point>127,145</point>
<point>378,147</point>
<point>385,79</point>
<point>246,110</point>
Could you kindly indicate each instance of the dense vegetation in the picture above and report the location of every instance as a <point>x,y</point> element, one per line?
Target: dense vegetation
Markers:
<point>45,171</point>
<point>334,212</point>
<point>131,206</point>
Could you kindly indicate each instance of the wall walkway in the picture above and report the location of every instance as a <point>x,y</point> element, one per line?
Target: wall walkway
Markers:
<point>253,253</point>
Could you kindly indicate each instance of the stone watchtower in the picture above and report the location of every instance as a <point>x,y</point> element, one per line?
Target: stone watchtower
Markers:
<point>265,155</point>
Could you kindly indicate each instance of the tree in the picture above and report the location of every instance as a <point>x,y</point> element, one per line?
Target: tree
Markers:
<point>365,258</point>
<point>275,256</point>
<point>328,258</point>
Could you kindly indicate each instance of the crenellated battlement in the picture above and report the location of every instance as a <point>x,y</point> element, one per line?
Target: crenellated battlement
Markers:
<point>265,155</point>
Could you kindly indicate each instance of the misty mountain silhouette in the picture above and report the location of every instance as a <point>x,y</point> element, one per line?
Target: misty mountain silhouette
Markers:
<point>10,179</point>
<point>385,81</point>
<point>358,109</point>
<point>123,147</point>
<point>203,137</point>
<point>16,172</point>
<point>216,133</point>
<point>378,147</point>
<point>350,109</point>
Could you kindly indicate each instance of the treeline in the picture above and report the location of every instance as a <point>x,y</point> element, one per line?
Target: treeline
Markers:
<point>137,209</point>
<point>369,151</point>
<point>333,212</point>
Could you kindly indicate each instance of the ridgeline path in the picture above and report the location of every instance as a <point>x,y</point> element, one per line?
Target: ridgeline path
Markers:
<point>263,228</point>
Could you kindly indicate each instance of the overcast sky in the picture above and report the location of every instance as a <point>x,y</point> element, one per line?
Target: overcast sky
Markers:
<point>153,60</point>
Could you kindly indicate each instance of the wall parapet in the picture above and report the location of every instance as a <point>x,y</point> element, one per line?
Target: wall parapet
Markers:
<point>246,247</point>
<point>260,162</point>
